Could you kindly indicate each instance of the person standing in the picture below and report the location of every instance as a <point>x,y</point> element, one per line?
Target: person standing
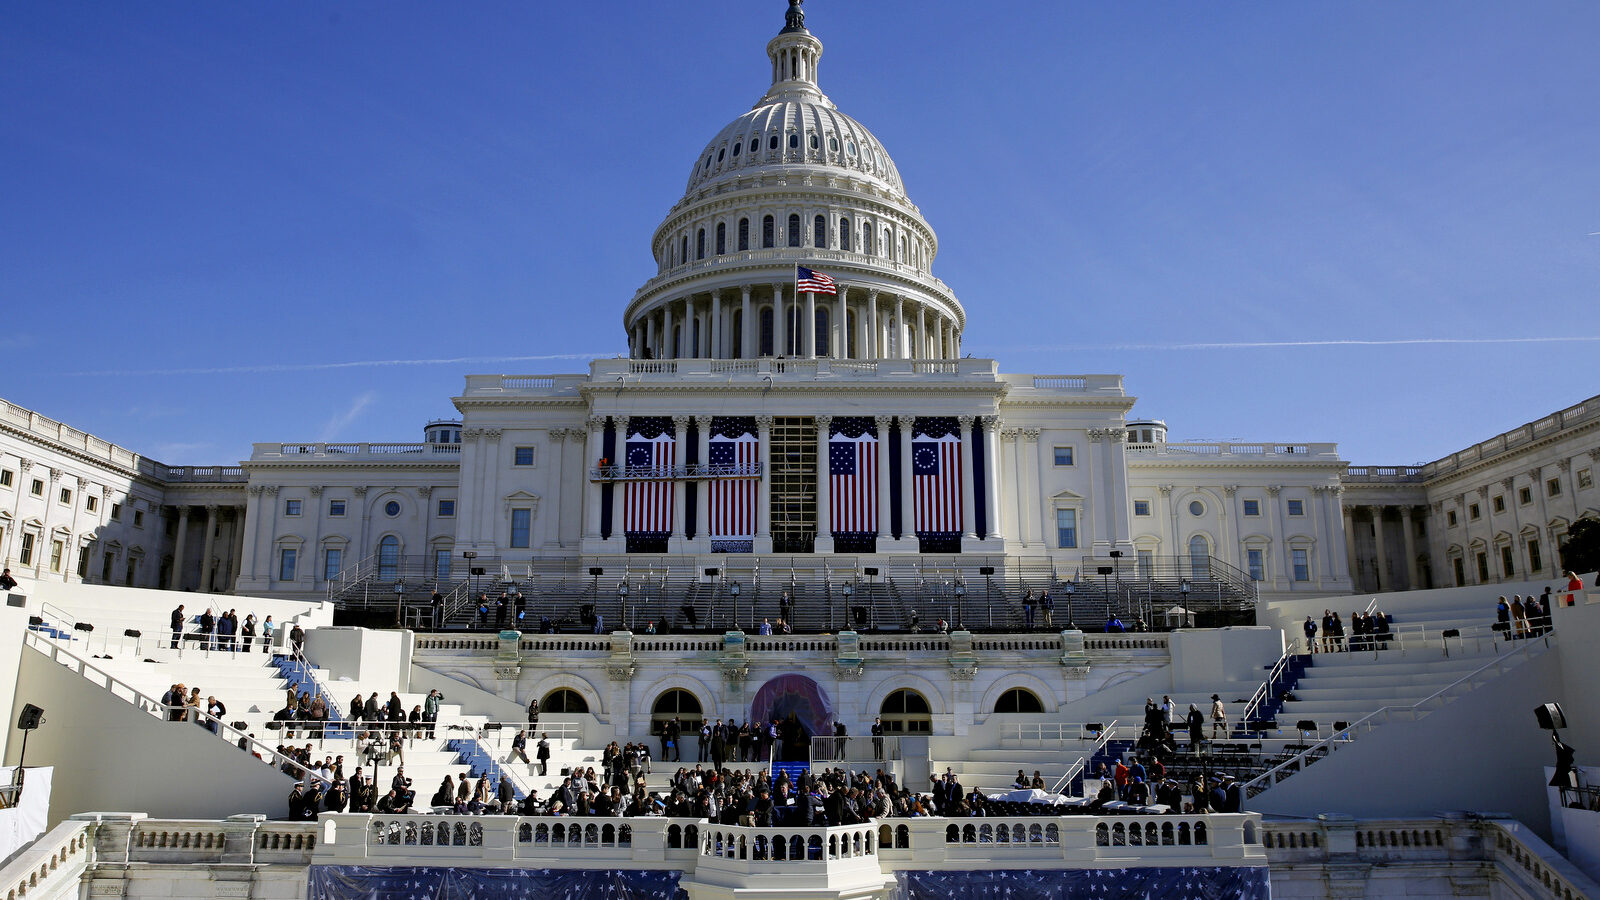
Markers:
<point>177,624</point>
<point>267,630</point>
<point>1219,717</point>
<point>1574,585</point>
<point>1519,616</point>
<point>1310,628</point>
<point>533,714</point>
<point>877,737</point>
<point>542,753</point>
<point>1027,610</point>
<point>430,710</point>
<point>1048,604</point>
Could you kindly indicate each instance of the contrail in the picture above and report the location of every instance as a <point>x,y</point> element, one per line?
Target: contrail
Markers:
<point>1268,345</point>
<point>322,367</point>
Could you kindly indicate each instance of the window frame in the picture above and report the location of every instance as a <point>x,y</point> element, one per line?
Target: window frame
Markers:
<point>1498,504</point>
<point>288,562</point>
<point>36,489</point>
<point>91,503</point>
<point>1295,506</point>
<point>1524,495</point>
<point>338,508</point>
<point>1585,478</point>
<point>8,478</point>
<point>1141,508</point>
<point>293,507</point>
<point>329,574</point>
<point>64,497</point>
<point>525,540</point>
<point>1071,530</point>
<point>1056,454</point>
<point>523,456</point>
<point>1300,563</point>
<point>1256,563</point>
<point>1552,487</point>
<point>440,510</point>
<point>1251,508</point>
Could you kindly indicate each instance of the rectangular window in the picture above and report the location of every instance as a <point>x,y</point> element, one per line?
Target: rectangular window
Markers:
<point>138,518</point>
<point>291,507</point>
<point>286,561</point>
<point>91,502</point>
<point>1141,507</point>
<point>1483,567</point>
<point>1507,561</point>
<point>1252,507</point>
<point>7,477</point>
<point>1474,513</point>
<point>1524,495</point>
<point>521,519</point>
<point>1450,517</point>
<point>26,556</point>
<point>1500,503</point>
<point>441,564</point>
<point>1147,563</point>
<point>1256,563</point>
<point>1461,573</point>
<point>1553,487</point>
<point>1066,528</point>
<point>37,488</point>
<point>447,509</point>
<point>332,562</point>
<point>1063,456</point>
<point>83,563</point>
<point>116,512</point>
<point>1535,560</point>
<point>57,549</point>
<point>1302,564</point>
<point>1297,507</point>
<point>524,456</point>
<point>1585,478</point>
<point>66,496</point>
<point>336,508</point>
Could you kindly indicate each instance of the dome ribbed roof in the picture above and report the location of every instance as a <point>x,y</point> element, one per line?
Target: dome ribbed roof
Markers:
<point>806,133</point>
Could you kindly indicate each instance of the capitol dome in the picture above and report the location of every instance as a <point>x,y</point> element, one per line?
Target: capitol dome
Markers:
<point>794,183</point>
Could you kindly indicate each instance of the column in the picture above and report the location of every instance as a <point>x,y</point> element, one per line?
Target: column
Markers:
<point>209,546</point>
<point>1011,505</point>
<point>939,350</point>
<point>1032,517</point>
<point>808,327</point>
<point>716,327</point>
<point>922,332</point>
<point>872,350</point>
<point>780,324</point>
<point>908,505</point>
<point>1348,513</point>
<point>255,498</point>
<point>591,493</point>
<point>900,330</point>
<point>650,332</point>
<point>175,580</point>
<point>668,351</point>
<point>763,542</point>
<point>824,541</point>
<point>680,441</point>
<point>840,327</point>
<point>702,494</point>
<point>236,563</point>
<point>883,423</point>
<point>558,444</point>
<point>1410,544</point>
<point>992,475</point>
<point>1381,548</point>
<point>746,325</point>
<point>969,531</point>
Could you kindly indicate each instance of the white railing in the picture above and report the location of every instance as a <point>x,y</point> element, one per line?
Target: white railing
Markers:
<point>53,865</point>
<point>155,708</point>
<point>1061,732</point>
<point>1383,716</point>
<point>855,749</point>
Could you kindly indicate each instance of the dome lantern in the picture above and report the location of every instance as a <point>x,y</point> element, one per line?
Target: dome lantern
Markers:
<point>794,54</point>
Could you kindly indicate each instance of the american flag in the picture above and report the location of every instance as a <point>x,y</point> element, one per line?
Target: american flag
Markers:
<point>648,505</point>
<point>733,500</point>
<point>853,484</point>
<point>936,478</point>
<point>811,281</point>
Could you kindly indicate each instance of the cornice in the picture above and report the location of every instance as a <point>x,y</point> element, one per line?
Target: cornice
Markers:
<point>1512,454</point>
<point>737,273</point>
<point>325,464</point>
<point>991,389</point>
<point>77,454</point>
<point>1275,463</point>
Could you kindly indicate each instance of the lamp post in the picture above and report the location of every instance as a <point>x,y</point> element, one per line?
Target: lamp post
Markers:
<point>733,591</point>
<point>849,592</point>
<point>1183,588</point>
<point>622,604</point>
<point>472,585</point>
<point>961,604</point>
<point>399,602</point>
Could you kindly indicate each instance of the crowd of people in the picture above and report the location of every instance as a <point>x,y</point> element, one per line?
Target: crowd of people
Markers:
<point>225,631</point>
<point>1523,617</point>
<point>1369,630</point>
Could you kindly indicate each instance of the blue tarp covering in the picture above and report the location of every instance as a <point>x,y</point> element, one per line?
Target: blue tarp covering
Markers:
<point>440,883</point>
<point>1204,883</point>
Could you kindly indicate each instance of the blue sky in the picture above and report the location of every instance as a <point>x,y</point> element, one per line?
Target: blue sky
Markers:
<point>204,207</point>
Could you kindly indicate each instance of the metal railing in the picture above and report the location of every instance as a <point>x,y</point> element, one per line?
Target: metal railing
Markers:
<point>1351,731</point>
<point>855,748</point>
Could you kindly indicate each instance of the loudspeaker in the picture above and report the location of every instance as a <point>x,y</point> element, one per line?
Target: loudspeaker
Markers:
<point>1549,714</point>
<point>596,570</point>
<point>1116,554</point>
<point>32,717</point>
<point>986,570</point>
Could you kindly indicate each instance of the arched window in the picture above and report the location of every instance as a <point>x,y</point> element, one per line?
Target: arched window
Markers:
<point>772,143</point>
<point>822,331</point>
<point>676,703</point>
<point>683,254</point>
<point>868,239</point>
<point>1200,556</point>
<point>765,339</point>
<point>815,141</point>
<point>722,238</point>
<point>694,343</point>
<point>901,256</point>
<point>819,232</point>
<point>700,244</point>
<point>906,711</point>
<point>794,229</point>
<point>1018,700</point>
<point>677,342</point>
<point>755,144</point>
<point>888,242</point>
<point>744,234</point>
<point>737,146</point>
<point>737,335</point>
<point>563,700</point>
<point>850,325</point>
<point>766,231</point>
<point>794,141</point>
<point>389,558</point>
<point>844,234</point>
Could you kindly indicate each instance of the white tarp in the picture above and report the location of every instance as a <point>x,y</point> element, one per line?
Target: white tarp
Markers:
<point>21,824</point>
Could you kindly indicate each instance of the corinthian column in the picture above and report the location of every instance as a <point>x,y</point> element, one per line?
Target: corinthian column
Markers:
<point>968,514</point>
<point>824,539</point>
<point>763,542</point>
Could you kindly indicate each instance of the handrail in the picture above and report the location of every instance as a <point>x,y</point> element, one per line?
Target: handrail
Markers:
<point>163,711</point>
<point>1330,743</point>
<point>1264,692</point>
<point>1082,765</point>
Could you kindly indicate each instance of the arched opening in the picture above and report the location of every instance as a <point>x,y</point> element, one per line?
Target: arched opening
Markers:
<point>679,704</point>
<point>744,232</point>
<point>906,712</point>
<point>1200,557</point>
<point>389,558</point>
<point>887,242</point>
<point>819,232</point>
<point>844,234</point>
<point>563,700</point>
<point>700,244</point>
<point>1018,700</point>
<point>766,228</point>
<point>683,253</point>
<point>765,339</point>
<point>794,229</point>
<point>722,238</point>
<point>736,338</point>
<point>677,341</point>
<point>821,326</point>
